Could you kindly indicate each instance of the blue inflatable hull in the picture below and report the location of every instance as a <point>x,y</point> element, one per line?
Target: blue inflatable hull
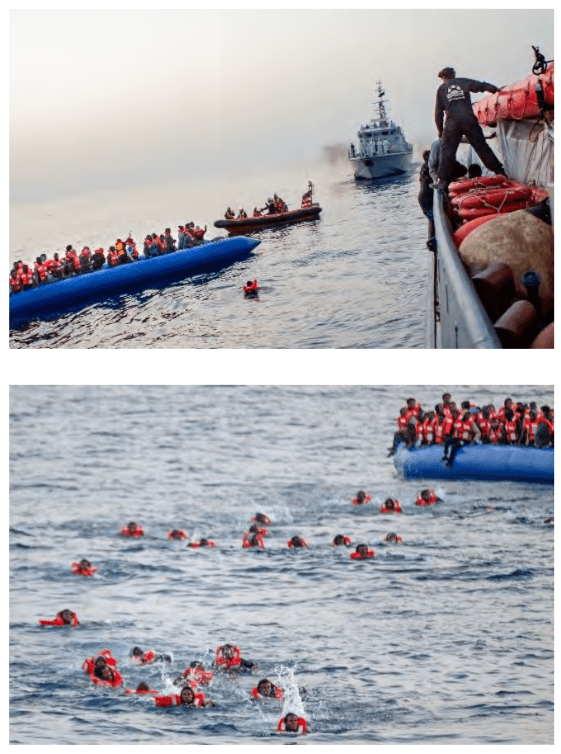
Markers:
<point>49,300</point>
<point>488,462</point>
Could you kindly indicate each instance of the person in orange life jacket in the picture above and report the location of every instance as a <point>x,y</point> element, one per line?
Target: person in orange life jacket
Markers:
<point>55,266</point>
<point>177,534</point>
<point>545,434</point>
<point>425,429</point>
<point>112,257</point>
<point>197,232</point>
<point>251,288</point>
<point>15,282</point>
<point>147,658</point>
<point>106,676</point>
<point>186,698</point>
<point>131,249</point>
<point>27,277</point>
<point>453,98</point>
<point>253,540</point>
<point>256,212</point>
<point>228,659</point>
<point>511,428</point>
<point>341,540</point>
<point>98,259</point>
<point>64,618</point>
<point>392,538</point>
<point>296,542</point>
<point>202,543</point>
<point>41,271</point>
<point>405,431</point>
<point>529,428</point>
<point>85,259</point>
<point>104,658</point>
<point>291,723</point>
<point>180,237</point>
<point>465,430</point>
<point>361,498</point>
<point>83,568</point>
<point>362,553</point>
<point>169,240</point>
<point>390,505</point>
<point>196,671</point>
<point>267,690</point>
<point>507,405</point>
<point>261,518</point>
<point>414,409</point>
<point>72,257</point>
<point>132,530</point>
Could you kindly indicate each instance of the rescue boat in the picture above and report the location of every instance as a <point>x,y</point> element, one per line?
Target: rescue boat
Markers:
<point>475,300</point>
<point>247,224</point>
<point>485,462</point>
<point>52,299</point>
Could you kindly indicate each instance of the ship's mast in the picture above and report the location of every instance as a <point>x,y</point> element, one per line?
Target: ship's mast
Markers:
<point>381,107</point>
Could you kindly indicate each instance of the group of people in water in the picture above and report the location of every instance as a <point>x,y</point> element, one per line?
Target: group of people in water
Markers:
<point>193,682</point>
<point>44,270</point>
<point>452,426</point>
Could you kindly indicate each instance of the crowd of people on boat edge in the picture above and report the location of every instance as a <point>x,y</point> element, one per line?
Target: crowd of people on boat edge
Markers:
<point>452,426</point>
<point>44,270</point>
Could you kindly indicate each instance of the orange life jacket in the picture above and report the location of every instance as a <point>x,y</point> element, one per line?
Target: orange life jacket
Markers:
<point>302,726</point>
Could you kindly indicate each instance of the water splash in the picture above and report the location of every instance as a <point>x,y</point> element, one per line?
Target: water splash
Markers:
<point>292,701</point>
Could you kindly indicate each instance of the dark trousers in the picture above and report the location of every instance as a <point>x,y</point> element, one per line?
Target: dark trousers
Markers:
<point>451,447</point>
<point>454,129</point>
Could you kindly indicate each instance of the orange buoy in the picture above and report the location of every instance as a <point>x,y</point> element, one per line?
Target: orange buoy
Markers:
<point>468,213</point>
<point>492,196</point>
<point>465,229</point>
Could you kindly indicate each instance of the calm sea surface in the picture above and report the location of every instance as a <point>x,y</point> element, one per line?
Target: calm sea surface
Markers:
<point>355,278</point>
<point>446,638</point>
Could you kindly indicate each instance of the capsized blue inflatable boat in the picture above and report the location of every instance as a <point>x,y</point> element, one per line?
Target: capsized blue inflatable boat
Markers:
<point>491,462</point>
<point>52,299</point>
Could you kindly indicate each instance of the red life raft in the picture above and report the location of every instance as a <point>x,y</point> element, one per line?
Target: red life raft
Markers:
<point>517,101</point>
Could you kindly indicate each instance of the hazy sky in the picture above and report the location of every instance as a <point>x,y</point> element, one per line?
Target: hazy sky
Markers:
<point>106,98</point>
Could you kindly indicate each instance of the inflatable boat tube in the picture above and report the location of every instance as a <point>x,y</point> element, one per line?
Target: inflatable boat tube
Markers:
<point>485,462</point>
<point>50,300</point>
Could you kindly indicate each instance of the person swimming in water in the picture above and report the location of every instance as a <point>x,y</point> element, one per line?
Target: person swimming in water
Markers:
<point>361,498</point>
<point>103,675</point>
<point>147,658</point>
<point>427,497</point>
<point>340,539</point>
<point>177,534</point>
<point>202,543</point>
<point>362,553</point>
<point>195,675</point>
<point>291,723</point>
<point>297,541</point>
<point>228,659</point>
<point>261,518</point>
<point>132,529</point>
<point>392,538</point>
<point>267,690</point>
<point>142,688</point>
<point>64,618</point>
<point>83,568</point>
<point>390,505</point>
<point>187,697</point>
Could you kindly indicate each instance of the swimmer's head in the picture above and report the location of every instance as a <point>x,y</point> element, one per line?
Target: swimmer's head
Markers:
<point>389,504</point>
<point>84,563</point>
<point>66,616</point>
<point>391,537</point>
<point>104,672</point>
<point>203,543</point>
<point>143,686</point>
<point>297,541</point>
<point>187,695</point>
<point>175,534</point>
<point>425,494</point>
<point>131,526</point>
<point>137,652</point>
<point>362,549</point>
<point>360,496</point>
<point>100,660</point>
<point>291,722</point>
<point>265,687</point>
<point>228,651</point>
<point>261,518</point>
<point>196,664</point>
<point>339,540</point>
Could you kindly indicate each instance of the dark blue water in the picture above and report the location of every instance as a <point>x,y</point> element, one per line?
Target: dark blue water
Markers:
<point>446,638</point>
<point>355,278</point>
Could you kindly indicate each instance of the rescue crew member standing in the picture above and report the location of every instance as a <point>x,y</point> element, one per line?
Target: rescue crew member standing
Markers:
<point>453,98</point>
